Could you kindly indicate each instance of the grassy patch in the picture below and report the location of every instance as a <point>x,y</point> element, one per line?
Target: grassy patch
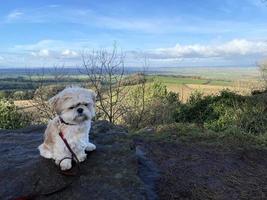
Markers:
<point>180,80</point>
<point>177,80</point>
<point>190,133</point>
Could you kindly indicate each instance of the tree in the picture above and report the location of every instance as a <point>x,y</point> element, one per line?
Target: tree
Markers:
<point>263,70</point>
<point>136,103</point>
<point>105,72</point>
<point>43,92</point>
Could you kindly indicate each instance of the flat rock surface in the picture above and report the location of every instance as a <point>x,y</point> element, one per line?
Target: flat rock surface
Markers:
<point>125,168</point>
<point>192,171</point>
<point>110,172</point>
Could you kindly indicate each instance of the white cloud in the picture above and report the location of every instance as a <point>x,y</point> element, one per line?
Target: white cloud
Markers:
<point>237,47</point>
<point>39,45</point>
<point>233,52</point>
<point>54,5</point>
<point>55,45</point>
<point>42,53</point>
<point>55,54</point>
<point>15,14</point>
<point>69,53</point>
<point>54,49</point>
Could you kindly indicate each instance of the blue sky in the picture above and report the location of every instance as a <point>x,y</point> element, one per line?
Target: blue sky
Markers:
<point>168,33</point>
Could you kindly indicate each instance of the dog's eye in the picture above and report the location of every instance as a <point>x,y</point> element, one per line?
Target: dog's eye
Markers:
<point>86,104</point>
<point>72,107</point>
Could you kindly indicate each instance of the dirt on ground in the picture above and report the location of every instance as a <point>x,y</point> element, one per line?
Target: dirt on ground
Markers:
<point>200,172</point>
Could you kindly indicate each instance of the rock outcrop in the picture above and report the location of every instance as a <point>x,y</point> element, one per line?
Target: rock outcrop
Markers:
<point>110,172</point>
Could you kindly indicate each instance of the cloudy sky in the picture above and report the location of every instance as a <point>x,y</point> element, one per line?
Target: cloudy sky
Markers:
<point>168,33</point>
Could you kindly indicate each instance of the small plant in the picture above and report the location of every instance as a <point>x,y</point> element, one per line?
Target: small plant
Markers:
<point>252,118</point>
<point>10,117</point>
<point>197,110</point>
<point>213,112</point>
<point>150,105</point>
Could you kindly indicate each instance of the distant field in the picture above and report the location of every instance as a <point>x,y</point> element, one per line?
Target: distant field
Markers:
<point>184,80</point>
<point>221,73</point>
<point>171,79</point>
<point>186,85</point>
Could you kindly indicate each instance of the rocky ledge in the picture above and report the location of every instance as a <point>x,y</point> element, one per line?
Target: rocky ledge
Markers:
<point>110,172</point>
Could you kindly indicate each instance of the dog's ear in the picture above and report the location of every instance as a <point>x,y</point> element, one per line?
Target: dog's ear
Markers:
<point>93,94</point>
<point>53,102</point>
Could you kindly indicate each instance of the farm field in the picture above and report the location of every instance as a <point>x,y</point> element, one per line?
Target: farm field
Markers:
<point>218,73</point>
<point>181,80</point>
<point>186,85</point>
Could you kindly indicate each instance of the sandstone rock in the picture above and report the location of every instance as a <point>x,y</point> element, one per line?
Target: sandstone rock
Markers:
<point>110,172</point>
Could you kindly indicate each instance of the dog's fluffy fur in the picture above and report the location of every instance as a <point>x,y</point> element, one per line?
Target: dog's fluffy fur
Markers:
<point>75,106</point>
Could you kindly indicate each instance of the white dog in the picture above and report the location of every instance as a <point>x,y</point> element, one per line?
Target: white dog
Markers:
<point>75,107</point>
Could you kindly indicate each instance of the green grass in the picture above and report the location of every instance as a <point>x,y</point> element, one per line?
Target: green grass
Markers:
<point>221,82</point>
<point>179,80</point>
<point>190,133</point>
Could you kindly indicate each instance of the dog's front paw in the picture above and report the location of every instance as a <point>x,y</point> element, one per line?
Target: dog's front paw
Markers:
<point>82,157</point>
<point>65,164</point>
<point>90,147</point>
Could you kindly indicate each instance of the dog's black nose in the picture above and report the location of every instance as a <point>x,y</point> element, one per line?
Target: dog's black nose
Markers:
<point>80,110</point>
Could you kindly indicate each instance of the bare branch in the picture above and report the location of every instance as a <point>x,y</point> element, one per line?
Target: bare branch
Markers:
<point>105,71</point>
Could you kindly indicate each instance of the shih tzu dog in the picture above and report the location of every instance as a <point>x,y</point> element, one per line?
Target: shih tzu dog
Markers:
<point>75,107</point>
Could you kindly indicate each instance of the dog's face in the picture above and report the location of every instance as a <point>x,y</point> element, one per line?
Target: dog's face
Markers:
<point>74,104</point>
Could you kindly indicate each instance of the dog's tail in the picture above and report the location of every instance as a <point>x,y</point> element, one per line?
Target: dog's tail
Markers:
<point>45,151</point>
